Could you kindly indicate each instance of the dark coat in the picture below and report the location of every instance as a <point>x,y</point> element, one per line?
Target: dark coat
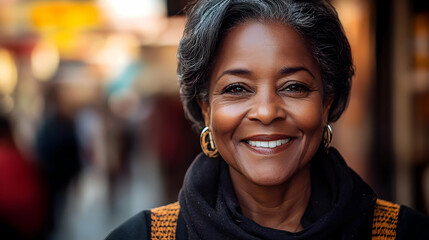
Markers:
<point>341,206</point>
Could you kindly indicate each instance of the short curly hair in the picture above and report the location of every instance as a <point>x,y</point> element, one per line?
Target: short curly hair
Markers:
<point>210,20</point>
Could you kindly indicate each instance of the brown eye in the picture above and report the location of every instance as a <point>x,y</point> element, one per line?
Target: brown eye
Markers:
<point>297,88</point>
<point>235,89</point>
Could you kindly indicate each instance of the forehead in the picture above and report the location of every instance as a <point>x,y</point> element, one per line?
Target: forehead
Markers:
<point>264,45</point>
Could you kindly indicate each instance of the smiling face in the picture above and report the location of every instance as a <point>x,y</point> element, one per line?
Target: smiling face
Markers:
<point>266,108</point>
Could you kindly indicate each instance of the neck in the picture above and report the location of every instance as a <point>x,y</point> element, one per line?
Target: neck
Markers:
<point>279,207</point>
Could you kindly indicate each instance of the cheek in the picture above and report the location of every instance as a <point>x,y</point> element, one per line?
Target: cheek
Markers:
<point>310,118</point>
<point>225,117</point>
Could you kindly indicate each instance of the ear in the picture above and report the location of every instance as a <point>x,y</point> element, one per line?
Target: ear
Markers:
<point>205,110</point>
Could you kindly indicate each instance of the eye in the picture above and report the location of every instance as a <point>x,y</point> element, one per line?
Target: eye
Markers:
<point>295,89</point>
<point>298,88</point>
<point>235,89</point>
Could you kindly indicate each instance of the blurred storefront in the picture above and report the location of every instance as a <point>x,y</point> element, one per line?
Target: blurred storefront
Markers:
<point>118,87</point>
<point>410,74</point>
<point>91,86</point>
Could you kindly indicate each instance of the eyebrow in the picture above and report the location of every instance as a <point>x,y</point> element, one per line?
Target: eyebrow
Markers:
<point>235,72</point>
<point>289,70</point>
<point>283,71</point>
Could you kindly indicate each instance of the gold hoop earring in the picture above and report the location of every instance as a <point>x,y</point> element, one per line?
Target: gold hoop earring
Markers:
<point>327,137</point>
<point>207,144</point>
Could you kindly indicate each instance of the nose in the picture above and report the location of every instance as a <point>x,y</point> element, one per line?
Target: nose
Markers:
<point>267,107</point>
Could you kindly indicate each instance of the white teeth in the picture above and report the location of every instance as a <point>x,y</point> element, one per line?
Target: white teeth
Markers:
<point>268,144</point>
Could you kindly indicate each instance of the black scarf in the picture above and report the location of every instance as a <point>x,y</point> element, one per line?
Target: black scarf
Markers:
<point>340,207</point>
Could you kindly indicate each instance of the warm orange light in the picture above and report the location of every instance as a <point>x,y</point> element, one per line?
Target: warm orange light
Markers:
<point>8,72</point>
<point>44,60</point>
<point>63,21</point>
<point>64,15</point>
<point>8,80</point>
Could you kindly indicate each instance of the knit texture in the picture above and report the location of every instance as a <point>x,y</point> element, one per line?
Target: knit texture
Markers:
<point>164,221</point>
<point>385,220</point>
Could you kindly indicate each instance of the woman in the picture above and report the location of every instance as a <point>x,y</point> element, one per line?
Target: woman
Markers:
<point>262,80</point>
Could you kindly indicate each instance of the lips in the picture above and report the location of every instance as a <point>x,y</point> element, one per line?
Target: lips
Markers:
<point>268,144</point>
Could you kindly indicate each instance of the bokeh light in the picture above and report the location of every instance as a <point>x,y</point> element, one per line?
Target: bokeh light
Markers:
<point>8,72</point>
<point>44,60</point>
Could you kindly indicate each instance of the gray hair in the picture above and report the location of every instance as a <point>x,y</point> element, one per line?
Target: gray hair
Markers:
<point>210,20</point>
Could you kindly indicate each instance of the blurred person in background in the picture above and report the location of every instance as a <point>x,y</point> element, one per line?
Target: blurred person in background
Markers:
<point>169,130</point>
<point>262,81</point>
<point>22,195</point>
<point>57,145</point>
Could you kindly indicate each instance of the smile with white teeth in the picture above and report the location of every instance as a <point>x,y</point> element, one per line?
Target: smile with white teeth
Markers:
<point>268,144</point>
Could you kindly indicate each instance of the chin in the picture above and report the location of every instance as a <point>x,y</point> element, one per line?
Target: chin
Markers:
<point>270,179</point>
<point>279,176</point>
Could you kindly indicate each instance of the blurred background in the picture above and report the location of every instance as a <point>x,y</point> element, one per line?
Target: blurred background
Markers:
<point>92,129</point>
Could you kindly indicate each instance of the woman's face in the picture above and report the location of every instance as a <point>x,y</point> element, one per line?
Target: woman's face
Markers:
<point>265,108</point>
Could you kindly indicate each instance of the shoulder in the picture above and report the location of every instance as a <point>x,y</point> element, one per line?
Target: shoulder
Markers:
<point>412,224</point>
<point>164,222</point>
<point>392,221</point>
<point>137,227</point>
